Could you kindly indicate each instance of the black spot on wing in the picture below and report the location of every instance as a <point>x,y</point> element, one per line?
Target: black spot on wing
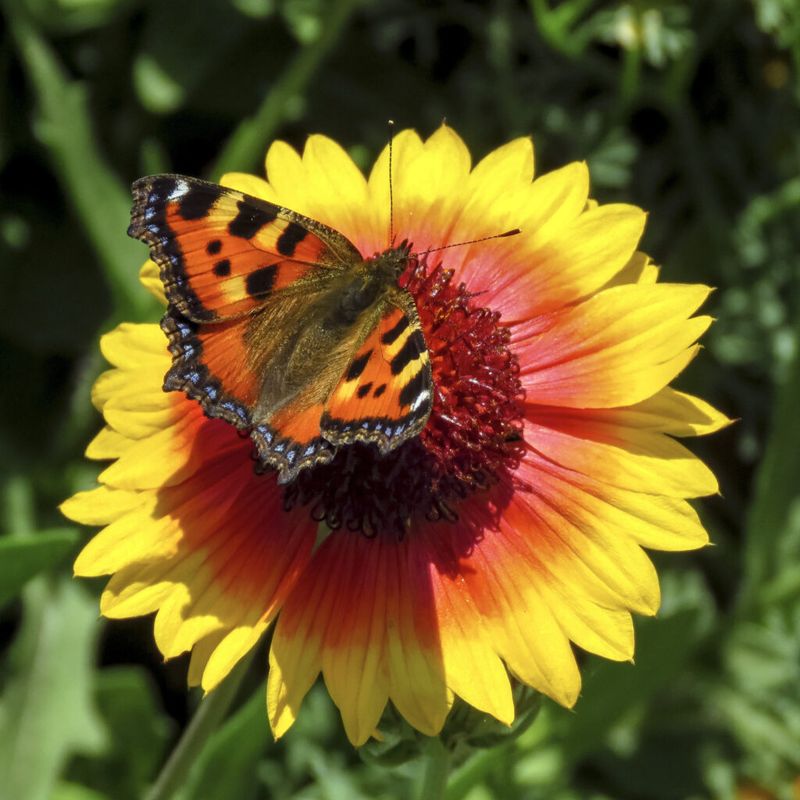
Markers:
<point>391,335</point>
<point>363,391</point>
<point>259,283</point>
<point>380,390</point>
<point>213,247</point>
<point>290,238</point>
<point>357,366</point>
<point>197,202</point>
<point>413,389</point>
<point>410,351</point>
<point>222,268</point>
<point>251,219</point>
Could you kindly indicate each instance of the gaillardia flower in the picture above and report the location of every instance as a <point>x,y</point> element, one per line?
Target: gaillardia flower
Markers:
<point>508,530</point>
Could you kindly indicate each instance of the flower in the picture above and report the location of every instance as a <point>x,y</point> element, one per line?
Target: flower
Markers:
<point>509,530</point>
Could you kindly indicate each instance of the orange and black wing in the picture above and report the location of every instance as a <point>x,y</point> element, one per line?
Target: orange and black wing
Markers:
<point>224,256</point>
<point>222,253</point>
<point>385,395</point>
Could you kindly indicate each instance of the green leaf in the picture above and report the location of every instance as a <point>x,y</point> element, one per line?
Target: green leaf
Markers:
<point>63,125</point>
<point>177,57</point>
<point>46,712</point>
<point>74,791</point>
<point>75,16</point>
<point>248,142</point>
<point>24,557</point>
<point>613,690</point>
<point>770,519</point>
<point>560,26</point>
<point>138,728</point>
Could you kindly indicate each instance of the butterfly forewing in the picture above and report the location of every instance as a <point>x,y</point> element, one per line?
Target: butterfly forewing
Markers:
<point>222,253</point>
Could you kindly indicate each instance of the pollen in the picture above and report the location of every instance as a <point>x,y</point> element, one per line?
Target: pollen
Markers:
<point>473,438</point>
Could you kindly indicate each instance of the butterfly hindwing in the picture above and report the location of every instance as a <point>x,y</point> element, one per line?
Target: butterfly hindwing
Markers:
<point>292,440</point>
<point>386,392</point>
<point>222,253</point>
<point>381,394</point>
<point>210,364</point>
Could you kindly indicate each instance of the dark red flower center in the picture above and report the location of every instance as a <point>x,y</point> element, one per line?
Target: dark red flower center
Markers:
<point>473,437</point>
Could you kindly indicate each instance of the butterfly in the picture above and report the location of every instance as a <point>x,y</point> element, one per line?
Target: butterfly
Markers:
<point>280,326</point>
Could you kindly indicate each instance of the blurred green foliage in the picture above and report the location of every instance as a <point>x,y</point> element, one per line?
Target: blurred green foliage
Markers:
<point>691,110</point>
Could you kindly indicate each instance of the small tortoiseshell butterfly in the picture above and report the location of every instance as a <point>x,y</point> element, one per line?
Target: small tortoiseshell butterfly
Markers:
<point>278,325</point>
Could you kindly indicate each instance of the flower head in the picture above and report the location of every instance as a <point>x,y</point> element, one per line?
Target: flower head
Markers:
<point>508,530</point>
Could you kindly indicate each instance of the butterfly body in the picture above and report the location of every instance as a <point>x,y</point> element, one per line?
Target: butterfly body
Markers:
<point>318,340</point>
<point>279,325</point>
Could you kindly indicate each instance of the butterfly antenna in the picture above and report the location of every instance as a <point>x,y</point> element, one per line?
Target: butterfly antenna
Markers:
<point>391,192</point>
<point>512,232</point>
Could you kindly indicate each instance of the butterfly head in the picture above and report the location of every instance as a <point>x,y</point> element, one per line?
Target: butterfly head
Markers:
<point>392,262</point>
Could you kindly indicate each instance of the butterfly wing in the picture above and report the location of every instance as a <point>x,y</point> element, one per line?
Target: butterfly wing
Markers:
<point>222,253</point>
<point>376,388</point>
<point>225,256</point>
<point>386,393</point>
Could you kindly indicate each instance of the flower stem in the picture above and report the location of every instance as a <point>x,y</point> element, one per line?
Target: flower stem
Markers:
<point>436,769</point>
<point>209,714</point>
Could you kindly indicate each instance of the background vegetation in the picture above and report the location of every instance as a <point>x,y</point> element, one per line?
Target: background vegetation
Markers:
<point>690,109</point>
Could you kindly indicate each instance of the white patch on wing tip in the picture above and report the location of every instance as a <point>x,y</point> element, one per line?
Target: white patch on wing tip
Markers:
<point>181,187</point>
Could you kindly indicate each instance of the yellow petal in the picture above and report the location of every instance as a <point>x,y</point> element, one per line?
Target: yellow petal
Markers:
<point>525,633</point>
<point>416,673</point>
<point>580,258</point>
<point>624,457</point>
<point>249,184</point>
<point>232,649</point>
<point>675,413</point>
<point>286,176</point>
<point>639,269</point>
<point>616,349</point>
<point>472,668</point>
<point>129,385</point>
<point>561,537</point>
<point>163,459</point>
<point>131,345</point>
<point>553,204</point>
<point>137,423</point>
<point>107,444</point>
<point>428,182</point>
<point>143,587</point>
<point>285,698</point>
<point>150,278</point>
<point>603,631</point>
<point>136,536</point>
<point>354,646</point>
<point>201,652</point>
<point>100,506</point>
<point>507,167</point>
